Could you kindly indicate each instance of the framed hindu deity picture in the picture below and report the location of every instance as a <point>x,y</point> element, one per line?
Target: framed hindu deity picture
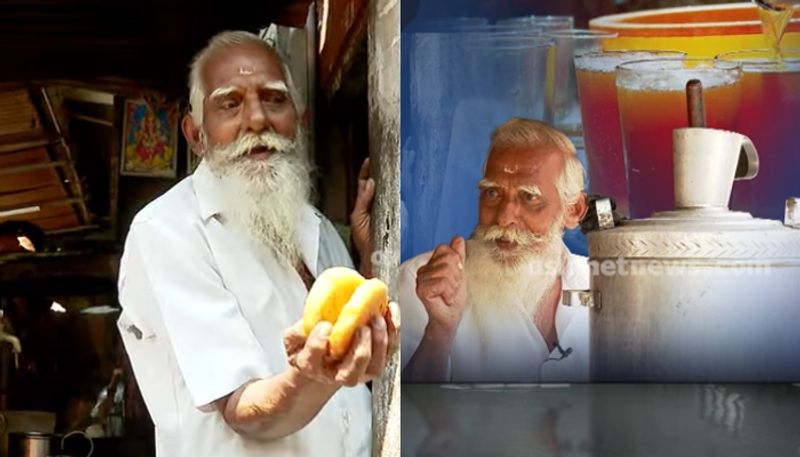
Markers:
<point>149,140</point>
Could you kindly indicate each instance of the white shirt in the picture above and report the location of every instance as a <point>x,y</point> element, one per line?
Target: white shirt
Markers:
<point>204,313</point>
<point>515,350</point>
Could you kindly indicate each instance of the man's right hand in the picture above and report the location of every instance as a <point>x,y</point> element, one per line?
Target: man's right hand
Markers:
<point>442,287</point>
<point>364,361</point>
<point>279,405</point>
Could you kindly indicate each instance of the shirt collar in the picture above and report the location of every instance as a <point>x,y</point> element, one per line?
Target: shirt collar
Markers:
<point>206,187</point>
<point>576,272</point>
<point>575,277</point>
<point>309,238</point>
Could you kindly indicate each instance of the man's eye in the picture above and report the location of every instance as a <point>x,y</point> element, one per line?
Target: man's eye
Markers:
<point>491,193</point>
<point>530,197</point>
<point>277,99</point>
<point>229,104</point>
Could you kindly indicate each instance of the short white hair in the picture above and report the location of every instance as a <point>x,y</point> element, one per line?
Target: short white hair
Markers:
<point>531,134</point>
<point>225,40</point>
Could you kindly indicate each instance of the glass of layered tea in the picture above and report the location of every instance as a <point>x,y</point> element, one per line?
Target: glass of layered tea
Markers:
<point>652,103</point>
<point>602,135</point>
<point>769,114</point>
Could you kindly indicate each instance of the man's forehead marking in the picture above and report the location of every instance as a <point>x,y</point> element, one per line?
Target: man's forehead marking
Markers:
<point>518,169</point>
<point>246,71</point>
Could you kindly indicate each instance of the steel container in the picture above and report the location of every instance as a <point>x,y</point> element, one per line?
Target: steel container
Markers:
<point>700,293</point>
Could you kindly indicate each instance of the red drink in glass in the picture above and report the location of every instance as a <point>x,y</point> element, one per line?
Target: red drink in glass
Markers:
<point>652,103</point>
<point>602,135</point>
<point>769,115</point>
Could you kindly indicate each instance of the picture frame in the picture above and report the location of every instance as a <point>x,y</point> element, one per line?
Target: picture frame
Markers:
<point>149,140</point>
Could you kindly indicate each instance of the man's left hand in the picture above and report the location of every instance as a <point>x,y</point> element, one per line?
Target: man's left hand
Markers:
<point>361,219</point>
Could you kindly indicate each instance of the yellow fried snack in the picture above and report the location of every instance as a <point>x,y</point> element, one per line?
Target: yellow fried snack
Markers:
<point>344,298</point>
<point>369,299</point>
<point>328,295</point>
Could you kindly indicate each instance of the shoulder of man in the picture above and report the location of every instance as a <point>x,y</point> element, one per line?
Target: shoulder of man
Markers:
<point>327,229</point>
<point>333,249</point>
<point>171,222</point>
<point>178,205</point>
<point>578,273</point>
<point>412,311</point>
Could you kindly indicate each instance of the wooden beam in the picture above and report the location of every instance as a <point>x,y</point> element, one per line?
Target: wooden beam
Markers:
<point>24,157</point>
<point>30,167</point>
<point>293,14</point>
<point>383,35</point>
<point>17,143</point>
<point>93,120</point>
<point>46,204</point>
<point>27,197</point>
<point>69,174</point>
<point>79,228</point>
<point>113,167</point>
<point>29,181</point>
<point>343,26</point>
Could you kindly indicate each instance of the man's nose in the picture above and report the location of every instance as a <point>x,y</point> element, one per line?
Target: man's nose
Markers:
<point>256,119</point>
<point>507,213</point>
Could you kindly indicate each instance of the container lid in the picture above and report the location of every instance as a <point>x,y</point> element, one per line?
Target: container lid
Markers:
<point>701,233</point>
<point>689,21</point>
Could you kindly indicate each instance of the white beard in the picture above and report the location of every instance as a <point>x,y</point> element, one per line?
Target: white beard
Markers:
<point>502,284</point>
<point>264,198</point>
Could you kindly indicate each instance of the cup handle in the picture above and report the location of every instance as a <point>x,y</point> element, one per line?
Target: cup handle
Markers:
<point>78,432</point>
<point>748,165</point>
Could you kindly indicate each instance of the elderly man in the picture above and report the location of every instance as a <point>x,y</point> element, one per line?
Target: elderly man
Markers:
<point>489,309</point>
<point>217,269</point>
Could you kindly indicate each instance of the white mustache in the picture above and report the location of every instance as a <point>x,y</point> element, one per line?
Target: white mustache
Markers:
<point>521,237</point>
<point>242,145</point>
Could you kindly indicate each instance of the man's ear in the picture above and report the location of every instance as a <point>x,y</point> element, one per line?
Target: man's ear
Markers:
<point>192,134</point>
<point>302,117</point>
<point>576,212</point>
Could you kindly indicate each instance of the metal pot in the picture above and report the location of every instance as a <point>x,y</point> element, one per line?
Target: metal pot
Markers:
<point>35,444</point>
<point>700,293</point>
<point>22,422</point>
<point>30,444</point>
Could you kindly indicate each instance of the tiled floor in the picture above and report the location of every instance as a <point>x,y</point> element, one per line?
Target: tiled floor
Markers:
<point>601,420</point>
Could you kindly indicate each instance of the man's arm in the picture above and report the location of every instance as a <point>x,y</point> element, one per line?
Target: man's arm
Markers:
<point>441,287</point>
<point>431,359</point>
<point>275,407</point>
<point>278,406</point>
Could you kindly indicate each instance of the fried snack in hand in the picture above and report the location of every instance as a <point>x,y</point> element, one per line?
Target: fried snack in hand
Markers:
<point>344,298</point>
